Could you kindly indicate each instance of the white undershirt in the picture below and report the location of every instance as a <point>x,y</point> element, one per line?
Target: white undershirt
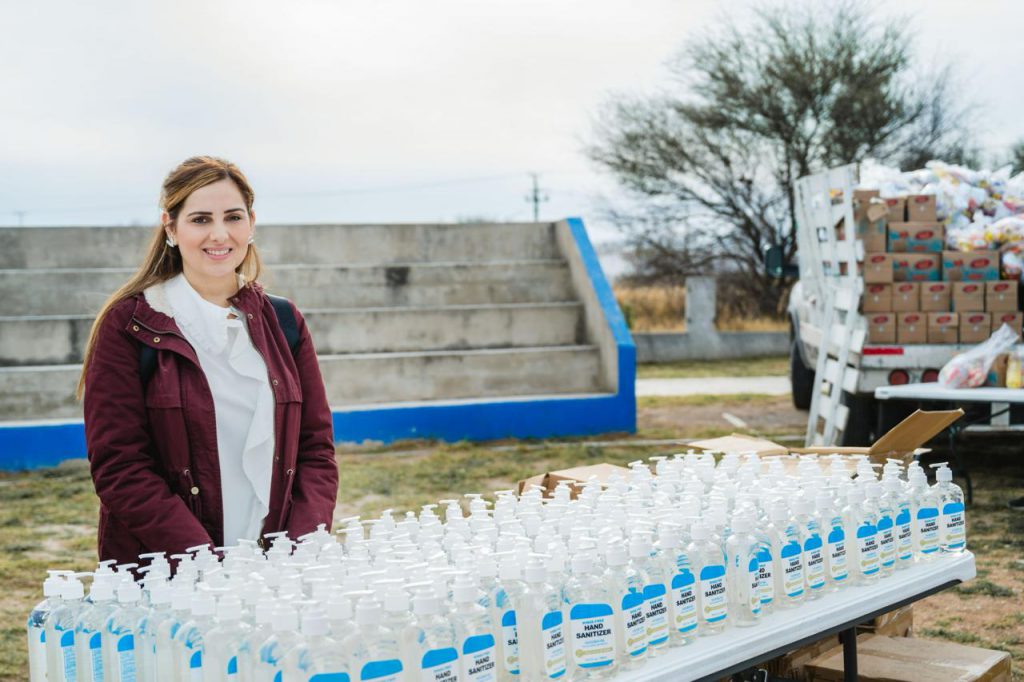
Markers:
<point>243,406</point>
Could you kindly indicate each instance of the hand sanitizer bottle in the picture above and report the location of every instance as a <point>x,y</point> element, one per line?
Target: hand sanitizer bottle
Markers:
<point>709,562</point>
<point>120,653</point>
<point>835,541</point>
<point>655,600</point>
<point>436,657</point>
<point>539,622</point>
<point>318,657</point>
<point>765,569</point>
<point>860,526</point>
<point>188,640</point>
<point>373,649</point>
<point>89,628</point>
<point>924,505</point>
<point>886,529</point>
<point>158,611</point>
<point>743,581</point>
<point>474,633</point>
<point>592,637</point>
<point>626,586</point>
<point>60,632</point>
<point>789,570</point>
<point>223,640</point>
<point>165,658</point>
<point>813,548</point>
<point>682,599</point>
<point>953,526</point>
<point>899,505</point>
<point>36,625</point>
<point>509,587</point>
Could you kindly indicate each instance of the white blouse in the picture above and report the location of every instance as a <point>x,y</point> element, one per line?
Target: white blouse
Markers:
<point>243,405</point>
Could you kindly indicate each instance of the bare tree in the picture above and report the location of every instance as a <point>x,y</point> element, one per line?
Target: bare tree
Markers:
<point>710,166</point>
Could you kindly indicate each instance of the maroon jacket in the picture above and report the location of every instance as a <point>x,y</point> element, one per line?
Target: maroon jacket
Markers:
<point>153,452</point>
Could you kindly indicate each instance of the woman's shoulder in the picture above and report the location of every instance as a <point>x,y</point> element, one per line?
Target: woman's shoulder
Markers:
<point>120,312</point>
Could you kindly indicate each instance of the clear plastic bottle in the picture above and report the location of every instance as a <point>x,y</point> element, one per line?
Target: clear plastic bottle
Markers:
<point>902,522</point>
<point>886,527</point>
<point>626,585</point>
<point>36,625</point>
<point>164,654</point>
<point>591,629</point>
<point>318,657</point>
<point>765,568</point>
<point>474,633</point>
<point>859,521</point>
<point>682,586</point>
<point>437,658</point>
<point>89,628</point>
<point>788,550</point>
<point>655,592</point>
<point>249,649</point>
<point>373,648</point>
<point>743,583</point>
<point>712,595</point>
<point>508,589</point>
<point>120,654</point>
<point>809,528</point>
<point>284,636</point>
<point>189,640</point>
<point>953,526</point>
<point>60,632</point>
<point>221,643</point>
<point>924,505</point>
<point>158,611</point>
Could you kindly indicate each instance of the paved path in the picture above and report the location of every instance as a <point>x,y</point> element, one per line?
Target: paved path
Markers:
<point>713,386</point>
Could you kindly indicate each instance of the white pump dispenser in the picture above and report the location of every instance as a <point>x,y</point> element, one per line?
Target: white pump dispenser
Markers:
<point>319,656</point>
<point>924,505</point>
<point>625,585</point>
<point>89,627</point>
<point>120,652</point>
<point>224,639</point>
<point>36,625</point>
<point>591,631</point>
<point>436,657</point>
<point>682,599</point>
<point>743,584</point>
<point>655,591</point>
<point>474,632</point>
<point>708,561</point>
<point>373,648</point>
<point>809,528</point>
<point>60,631</point>
<point>539,625</point>
<point>953,526</point>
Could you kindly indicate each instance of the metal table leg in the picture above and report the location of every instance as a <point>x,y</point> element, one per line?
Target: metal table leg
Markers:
<point>849,640</point>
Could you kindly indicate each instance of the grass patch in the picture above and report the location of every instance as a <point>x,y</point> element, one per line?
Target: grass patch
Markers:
<point>983,587</point>
<point>958,636</point>
<point>723,401</point>
<point>747,367</point>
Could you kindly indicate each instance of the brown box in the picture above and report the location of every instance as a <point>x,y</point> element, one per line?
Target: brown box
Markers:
<point>791,665</point>
<point>943,328</point>
<point>877,268</point>
<point>872,228</point>
<point>970,266</point>
<point>935,296</point>
<point>898,623</point>
<point>906,296</point>
<point>968,296</point>
<point>1014,320</point>
<point>997,372</point>
<point>916,237</point>
<point>862,198</point>
<point>877,298</point>
<point>881,328</point>
<point>576,476</point>
<point>911,328</point>
<point>908,659</point>
<point>916,267</point>
<point>904,439</point>
<point>975,327</point>
<point>921,208</point>
<point>1001,296</point>
<point>897,208</point>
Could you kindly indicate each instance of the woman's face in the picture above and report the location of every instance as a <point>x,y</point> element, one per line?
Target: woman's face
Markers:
<point>212,232</point>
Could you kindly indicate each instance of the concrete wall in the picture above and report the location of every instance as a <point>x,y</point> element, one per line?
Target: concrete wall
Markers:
<point>701,340</point>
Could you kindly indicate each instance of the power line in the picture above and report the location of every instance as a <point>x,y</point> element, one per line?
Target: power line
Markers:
<point>535,197</point>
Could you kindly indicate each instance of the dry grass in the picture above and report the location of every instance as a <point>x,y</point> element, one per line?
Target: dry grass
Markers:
<point>663,309</point>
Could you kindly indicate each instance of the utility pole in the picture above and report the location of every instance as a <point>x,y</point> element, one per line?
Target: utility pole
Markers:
<point>535,197</point>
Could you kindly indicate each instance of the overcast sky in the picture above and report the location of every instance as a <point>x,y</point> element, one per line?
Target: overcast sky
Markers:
<point>390,110</point>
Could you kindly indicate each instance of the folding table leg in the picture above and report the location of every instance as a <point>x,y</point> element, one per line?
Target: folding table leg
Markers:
<point>849,640</point>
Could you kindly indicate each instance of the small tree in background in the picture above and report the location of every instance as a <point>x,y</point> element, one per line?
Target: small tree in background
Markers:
<point>710,166</point>
<point>1017,157</point>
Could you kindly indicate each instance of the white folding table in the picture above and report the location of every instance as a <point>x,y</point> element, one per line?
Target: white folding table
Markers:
<point>999,398</point>
<point>736,649</point>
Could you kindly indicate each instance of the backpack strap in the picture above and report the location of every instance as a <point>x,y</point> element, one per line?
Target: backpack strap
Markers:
<point>285,318</point>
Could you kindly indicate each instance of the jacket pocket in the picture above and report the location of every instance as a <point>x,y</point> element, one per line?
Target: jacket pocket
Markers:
<point>191,494</point>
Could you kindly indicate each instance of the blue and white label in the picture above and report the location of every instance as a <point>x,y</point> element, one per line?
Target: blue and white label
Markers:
<point>67,654</point>
<point>791,558</point>
<point>904,535</point>
<point>765,576</point>
<point>592,630</point>
<point>867,548</point>
<point>389,670</point>
<point>511,641</point>
<point>329,677</point>
<point>837,554</point>
<point>195,666</point>
<point>440,665</point>
<point>232,668</point>
<point>714,604</point>
<point>125,660</point>
<point>95,663</point>
<point>656,614</point>
<point>954,532</point>
<point>684,599</point>
<point>37,647</point>
<point>479,659</point>
<point>886,541</point>
<point>553,641</point>
<point>928,530</point>
<point>753,586</point>
<point>814,560</point>
<point>636,626</point>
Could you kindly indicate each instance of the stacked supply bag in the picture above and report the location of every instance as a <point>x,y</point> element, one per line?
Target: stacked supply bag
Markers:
<point>533,589</point>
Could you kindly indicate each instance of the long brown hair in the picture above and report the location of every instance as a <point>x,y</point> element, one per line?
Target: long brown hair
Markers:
<point>162,262</point>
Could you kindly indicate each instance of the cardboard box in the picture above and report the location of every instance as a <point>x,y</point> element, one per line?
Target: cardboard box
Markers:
<point>741,443</point>
<point>575,476</point>
<point>906,438</point>
<point>877,298</point>
<point>917,237</point>
<point>862,198</point>
<point>1014,320</point>
<point>791,665</point>
<point>921,208</point>
<point>936,296</point>
<point>968,296</point>
<point>916,267</point>
<point>897,208</point>
<point>943,328</point>
<point>997,372</point>
<point>881,328</point>
<point>911,328</point>
<point>973,266</point>
<point>906,297</point>
<point>1001,296</point>
<point>975,327</point>
<point>907,659</point>
<point>872,228</point>
<point>898,623</point>
<point>878,268</point>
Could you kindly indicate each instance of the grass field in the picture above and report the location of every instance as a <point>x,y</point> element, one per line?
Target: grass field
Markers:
<point>663,309</point>
<point>48,517</point>
<point>749,367</point>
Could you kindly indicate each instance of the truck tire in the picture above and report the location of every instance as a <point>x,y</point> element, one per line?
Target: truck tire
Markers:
<point>861,420</point>
<point>801,378</point>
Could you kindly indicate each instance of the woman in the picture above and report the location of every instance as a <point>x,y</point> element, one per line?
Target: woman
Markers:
<point>222,431</point>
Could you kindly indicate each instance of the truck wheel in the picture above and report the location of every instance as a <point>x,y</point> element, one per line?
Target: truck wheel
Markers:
<point>861,420</point>
<point>801,378</point>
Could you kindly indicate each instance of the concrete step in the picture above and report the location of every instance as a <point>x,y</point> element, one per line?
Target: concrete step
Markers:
<point>360,379</point>
<point>82,291</point>
<point>105,247</point>
<point>59,339</point>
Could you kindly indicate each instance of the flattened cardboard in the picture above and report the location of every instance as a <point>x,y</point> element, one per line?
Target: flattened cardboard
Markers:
<point>738,442</point>
<point>902,439</point>
<point>1001,296</point>
<point>968,296</point>
<point>906,297</point>
<point>935,296</point>
<point>576,476</point>
<point>943,328</point>
<point>877,298</point>
<point>916,267</point>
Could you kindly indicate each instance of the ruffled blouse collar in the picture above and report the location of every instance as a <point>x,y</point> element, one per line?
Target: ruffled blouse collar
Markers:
<point>205,323</point>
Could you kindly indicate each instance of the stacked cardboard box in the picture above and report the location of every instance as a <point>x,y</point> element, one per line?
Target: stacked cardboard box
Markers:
<point>915,291</point>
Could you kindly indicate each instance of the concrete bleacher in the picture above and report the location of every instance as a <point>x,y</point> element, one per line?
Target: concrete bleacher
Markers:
<point>408,313</point>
